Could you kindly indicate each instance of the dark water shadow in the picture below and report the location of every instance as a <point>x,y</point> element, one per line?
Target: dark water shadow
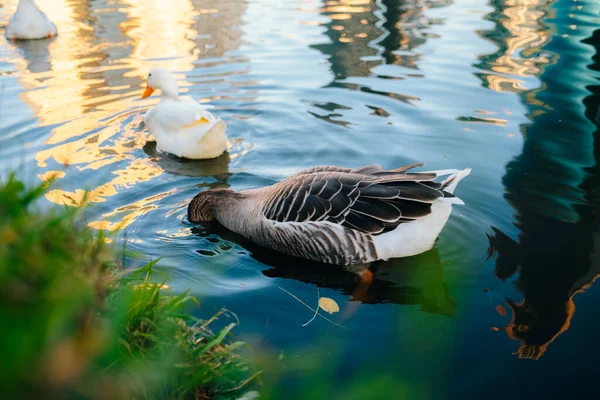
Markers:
<point>217,168</point>
<point>417,280</point>
<point>36,53</point>
<point>556,197</point>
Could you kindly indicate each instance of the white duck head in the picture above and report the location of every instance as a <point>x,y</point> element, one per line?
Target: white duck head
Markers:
<point>160,78</point>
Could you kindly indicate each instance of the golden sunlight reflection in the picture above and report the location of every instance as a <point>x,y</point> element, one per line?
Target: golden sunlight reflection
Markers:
<point>136,172</point>
<point>520,36</point>
<point>51,175</point>
<point>161,30</point>
<point>59,92</point>
<point>368,31</point>
<point>90,75</point>
<point>129,213</point>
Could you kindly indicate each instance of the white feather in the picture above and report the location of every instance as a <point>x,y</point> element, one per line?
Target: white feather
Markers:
<point>459,175</point>
<point>420,235</point>
<point>415,237</point>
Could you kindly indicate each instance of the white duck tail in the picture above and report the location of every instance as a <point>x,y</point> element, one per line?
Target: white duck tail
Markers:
<point>29,22</point>
<point>420,235</point>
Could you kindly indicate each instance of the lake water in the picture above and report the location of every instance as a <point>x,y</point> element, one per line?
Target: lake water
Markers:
<point>504,305</point>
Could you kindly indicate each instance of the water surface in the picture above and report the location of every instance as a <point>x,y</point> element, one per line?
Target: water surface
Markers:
<point>504,305</point>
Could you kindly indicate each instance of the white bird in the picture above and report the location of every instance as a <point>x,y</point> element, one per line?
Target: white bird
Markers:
<point>29,22</point>
<point>181,126</point>
<point>339,215</point>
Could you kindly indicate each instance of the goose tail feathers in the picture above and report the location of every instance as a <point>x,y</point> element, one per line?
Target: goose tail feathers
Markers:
<point>449,184</point>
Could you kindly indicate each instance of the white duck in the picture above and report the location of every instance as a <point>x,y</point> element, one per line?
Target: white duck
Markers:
<point>29,22</point>
<point>181,126</point>
<point>339,215</point>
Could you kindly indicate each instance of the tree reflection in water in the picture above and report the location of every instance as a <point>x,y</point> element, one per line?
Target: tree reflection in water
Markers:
<point>553,186</point>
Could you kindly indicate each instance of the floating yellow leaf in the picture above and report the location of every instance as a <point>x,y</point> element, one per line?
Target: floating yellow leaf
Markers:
<point>312,309</point>
<point>328,305</point>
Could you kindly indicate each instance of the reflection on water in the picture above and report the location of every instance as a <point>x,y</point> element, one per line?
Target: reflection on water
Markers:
<point>36,53</point>
<point>119,45</point>
<point>374,40</point>
<point>218,168</point>
<point>548,286</point>
<point>502,86</point>
<point>553,183</point>
<point>376,33</point>
<point>520,34</point>
<point>417,280</point>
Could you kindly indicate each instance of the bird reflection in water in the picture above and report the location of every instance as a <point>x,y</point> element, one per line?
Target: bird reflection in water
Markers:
<point>554,261</point>
<point>417,280</point>
<point>215,167</point>
<point>36,54</point>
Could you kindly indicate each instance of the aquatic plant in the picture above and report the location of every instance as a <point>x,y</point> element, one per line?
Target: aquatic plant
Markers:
<point>76,324</point>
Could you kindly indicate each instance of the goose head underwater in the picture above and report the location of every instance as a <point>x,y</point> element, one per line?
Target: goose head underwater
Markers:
<point>182,126</point>
<point>338,215</point>
<point>203,205</point>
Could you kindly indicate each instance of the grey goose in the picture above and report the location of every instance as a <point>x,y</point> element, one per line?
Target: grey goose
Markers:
<point>338,215</point>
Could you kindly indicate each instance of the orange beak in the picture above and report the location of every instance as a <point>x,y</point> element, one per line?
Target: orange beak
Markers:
<point>147,92</point>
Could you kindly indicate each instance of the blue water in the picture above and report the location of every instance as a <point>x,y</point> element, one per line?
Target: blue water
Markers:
<point>504,305</point>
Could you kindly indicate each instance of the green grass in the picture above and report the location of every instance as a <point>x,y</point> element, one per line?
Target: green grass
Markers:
<point>76,325</point>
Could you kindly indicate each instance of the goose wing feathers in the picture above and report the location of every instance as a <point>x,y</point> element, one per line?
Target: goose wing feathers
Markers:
<point>369,169</point>
<point>368,199</point>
